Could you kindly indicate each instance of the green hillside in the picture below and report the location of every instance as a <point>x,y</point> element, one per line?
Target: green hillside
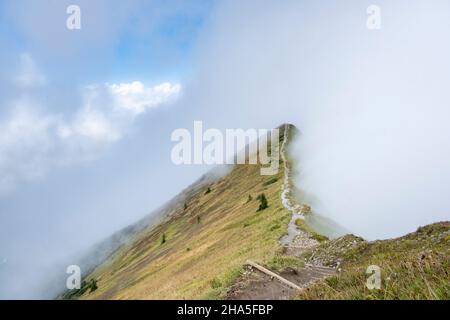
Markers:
<point>416,266</point>
<point>198,248</point>
<point>201,246</point>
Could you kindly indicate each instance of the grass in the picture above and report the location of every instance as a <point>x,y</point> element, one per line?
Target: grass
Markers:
<point>415,266</point>
<point>199,260</point>
<point>279,262</point>
<point>301,224</point>
<point>221,283</point>
<point>270,181</point>
<point>202,258</point>
<point>86,288</point>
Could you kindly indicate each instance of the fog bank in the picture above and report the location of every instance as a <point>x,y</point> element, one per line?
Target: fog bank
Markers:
<point>372,105</point>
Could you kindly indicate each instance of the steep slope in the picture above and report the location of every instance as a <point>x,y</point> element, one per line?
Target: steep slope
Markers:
<point>198,245</point>
<point>202,244</point>
<point>416,266</point>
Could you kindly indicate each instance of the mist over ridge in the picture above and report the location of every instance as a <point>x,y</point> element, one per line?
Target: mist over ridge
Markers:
<point>372,107</point>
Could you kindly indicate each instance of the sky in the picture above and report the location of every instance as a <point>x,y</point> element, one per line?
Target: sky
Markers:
<point>86,115</point>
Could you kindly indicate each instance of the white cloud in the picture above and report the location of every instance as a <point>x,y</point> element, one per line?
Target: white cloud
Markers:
<point>31,142</point>
<point>94,125</point>
<point>25,141</point>
<point>136,98</point>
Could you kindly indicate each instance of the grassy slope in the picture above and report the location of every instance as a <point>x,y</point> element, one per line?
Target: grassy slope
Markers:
<point>199,259</point>
<point>415,266</point>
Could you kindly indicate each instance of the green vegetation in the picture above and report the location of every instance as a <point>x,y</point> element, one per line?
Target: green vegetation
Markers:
<point>220,284</point>
<point>301,224</point>
<point>274,227</point>
<point>412,267</point>
<point>306,209</point>
<point>263,204</point>
<point>93,285</point>
<point>86,287</point>
<point>279,262</point>
<point>269,182</point>
<point>200,260</point>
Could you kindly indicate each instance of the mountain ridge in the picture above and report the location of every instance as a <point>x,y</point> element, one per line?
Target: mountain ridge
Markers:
<point>199,246</point>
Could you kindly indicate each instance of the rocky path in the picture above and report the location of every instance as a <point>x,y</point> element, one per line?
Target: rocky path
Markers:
<point>254,284</point>
<point>285,196</point>
<point>295,239</point>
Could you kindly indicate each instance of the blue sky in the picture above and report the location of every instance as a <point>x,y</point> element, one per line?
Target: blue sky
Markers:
<point>129,37</point>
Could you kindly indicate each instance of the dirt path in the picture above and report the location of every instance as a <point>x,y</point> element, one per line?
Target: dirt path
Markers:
<point>255,285</point>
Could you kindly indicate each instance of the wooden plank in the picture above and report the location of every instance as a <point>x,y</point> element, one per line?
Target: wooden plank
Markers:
<point>272,274</point>
<point>320,267</point>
